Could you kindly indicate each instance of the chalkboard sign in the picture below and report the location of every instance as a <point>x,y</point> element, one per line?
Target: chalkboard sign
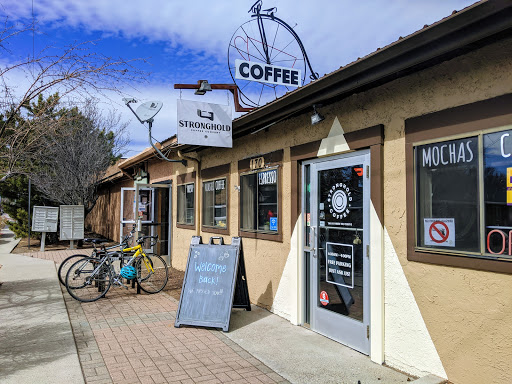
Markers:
<point>214,283</point>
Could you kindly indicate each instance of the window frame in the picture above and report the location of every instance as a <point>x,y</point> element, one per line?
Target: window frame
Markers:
<point>214,228</point>
<point>272,159</point>
<point>483,117</point>
<point>180,224</point>
<point>481,194</point>
<point>258,233</point>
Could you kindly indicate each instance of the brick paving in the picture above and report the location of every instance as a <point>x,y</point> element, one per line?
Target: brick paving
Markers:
<point>129,338</point>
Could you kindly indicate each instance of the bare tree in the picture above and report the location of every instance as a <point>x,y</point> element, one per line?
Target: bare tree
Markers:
<point>74,158</point>
<point>76,69</point>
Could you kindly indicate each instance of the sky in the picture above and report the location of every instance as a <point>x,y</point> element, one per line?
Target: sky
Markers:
<point>185,41</point>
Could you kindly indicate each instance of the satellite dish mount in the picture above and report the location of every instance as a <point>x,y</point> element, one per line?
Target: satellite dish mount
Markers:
<point>145,114</point>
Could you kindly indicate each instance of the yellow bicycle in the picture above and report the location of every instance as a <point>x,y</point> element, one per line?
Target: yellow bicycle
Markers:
<point>89,279</point>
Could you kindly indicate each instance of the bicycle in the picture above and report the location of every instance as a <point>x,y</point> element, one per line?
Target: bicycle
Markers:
<point>70,260</point>
<point>90,279</point>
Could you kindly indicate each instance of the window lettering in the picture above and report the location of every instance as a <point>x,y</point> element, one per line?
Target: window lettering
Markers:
<point>208,187</point>
<point>458,205</point>
<point>442,157</point>
<point>502,141</point>
<point>268,177</point>
<point>214,206</point>
<point>443,154</point>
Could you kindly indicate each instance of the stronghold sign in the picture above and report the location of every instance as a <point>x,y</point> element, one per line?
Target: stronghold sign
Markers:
<point>204,124</point>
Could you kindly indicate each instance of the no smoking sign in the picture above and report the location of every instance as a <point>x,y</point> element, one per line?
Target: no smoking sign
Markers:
<point>439,232</point>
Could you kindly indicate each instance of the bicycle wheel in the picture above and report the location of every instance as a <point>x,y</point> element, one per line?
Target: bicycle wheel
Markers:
<point>152,273</point>
<point>64,266</point>
<point>281,49</point>
<point>85,282</point>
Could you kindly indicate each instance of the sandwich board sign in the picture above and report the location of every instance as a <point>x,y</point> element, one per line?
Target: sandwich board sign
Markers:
<point>44,219</point>
<point>71,222</point>
<point>214,283</point>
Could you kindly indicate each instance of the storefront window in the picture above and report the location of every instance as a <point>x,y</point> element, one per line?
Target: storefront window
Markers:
<point>258,201</point>
<point>447,195</point>
<point>498,192</point>
<point>215,203</point>
<point>456,184</point>
<point>186,204</point>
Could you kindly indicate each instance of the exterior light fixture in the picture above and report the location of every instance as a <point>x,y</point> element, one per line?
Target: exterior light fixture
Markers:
<point>203,88</point>
<point>316,117</point>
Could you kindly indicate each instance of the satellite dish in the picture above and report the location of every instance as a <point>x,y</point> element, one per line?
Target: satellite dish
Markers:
<point>147,111</point>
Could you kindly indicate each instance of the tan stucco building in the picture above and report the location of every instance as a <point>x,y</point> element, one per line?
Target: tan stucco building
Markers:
<point>386,225</point>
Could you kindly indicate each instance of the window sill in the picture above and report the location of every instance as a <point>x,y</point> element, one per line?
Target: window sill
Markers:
<point>468,261</point>
<point>261,235</point>
<point>185,226</point>
<point>219,231</point>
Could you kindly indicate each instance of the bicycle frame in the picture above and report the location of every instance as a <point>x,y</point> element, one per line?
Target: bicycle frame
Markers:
<point>138,251</point>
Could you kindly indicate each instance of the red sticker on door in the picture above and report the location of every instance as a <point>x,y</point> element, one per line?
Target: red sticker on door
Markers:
<point>324,298</point>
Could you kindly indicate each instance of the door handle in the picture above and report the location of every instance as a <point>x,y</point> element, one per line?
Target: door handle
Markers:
<point>312,240</point>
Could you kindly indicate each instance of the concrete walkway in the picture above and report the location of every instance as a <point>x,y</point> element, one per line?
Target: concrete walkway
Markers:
<point>128,338</point>
<point>301,355</point>
<point>36,341</point>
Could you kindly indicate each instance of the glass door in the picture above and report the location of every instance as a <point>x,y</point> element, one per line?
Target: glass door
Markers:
<point>337,199</point>
<point>152,205</point>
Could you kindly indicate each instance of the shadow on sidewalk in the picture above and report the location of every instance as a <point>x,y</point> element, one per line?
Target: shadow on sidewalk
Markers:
<point>6,237</point>
<point>31,330</point>
<point>241,318</point>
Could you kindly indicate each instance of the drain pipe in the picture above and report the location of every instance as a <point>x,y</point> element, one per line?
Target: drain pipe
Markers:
<point>197,189</point>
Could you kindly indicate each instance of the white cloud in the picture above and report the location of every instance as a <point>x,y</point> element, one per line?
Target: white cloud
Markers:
<point>334,33</point>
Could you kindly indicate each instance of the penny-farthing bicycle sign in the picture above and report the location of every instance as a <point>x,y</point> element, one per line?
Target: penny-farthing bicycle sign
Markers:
<point>440,232</point>
<point>266,58</point>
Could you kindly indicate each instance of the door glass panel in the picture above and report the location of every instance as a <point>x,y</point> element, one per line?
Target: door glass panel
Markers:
<point>128,209</point>
<point>162,216</point>
<point>340,241</point>
<point>145,205</point>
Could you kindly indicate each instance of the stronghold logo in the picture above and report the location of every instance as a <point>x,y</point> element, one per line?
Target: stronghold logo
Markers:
<point>339,200</point>
<point>205,124</point>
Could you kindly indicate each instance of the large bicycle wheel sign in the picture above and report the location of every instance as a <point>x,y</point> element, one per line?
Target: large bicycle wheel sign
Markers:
<point>266,58</point>
<point>439,232</point>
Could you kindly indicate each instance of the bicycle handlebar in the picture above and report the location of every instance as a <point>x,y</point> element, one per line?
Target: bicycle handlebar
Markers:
<point>142,238</point>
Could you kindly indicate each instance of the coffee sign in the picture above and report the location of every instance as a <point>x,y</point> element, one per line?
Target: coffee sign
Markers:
<point>266,73</point>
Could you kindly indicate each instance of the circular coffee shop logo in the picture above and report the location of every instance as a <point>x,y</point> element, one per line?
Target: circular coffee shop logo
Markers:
<point>339,200</point>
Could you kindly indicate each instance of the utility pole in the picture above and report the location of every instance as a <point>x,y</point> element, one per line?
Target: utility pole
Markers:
<point>29,196</point>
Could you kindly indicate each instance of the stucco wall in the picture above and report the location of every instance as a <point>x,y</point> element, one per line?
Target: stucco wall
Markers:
<point>450,321</point>
<point>447,321</point>
<point>104,218</point>
<point>466,312</point>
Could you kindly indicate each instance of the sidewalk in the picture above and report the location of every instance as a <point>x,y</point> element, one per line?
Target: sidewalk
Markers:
<point>36,342</point>
<point>128,338</point>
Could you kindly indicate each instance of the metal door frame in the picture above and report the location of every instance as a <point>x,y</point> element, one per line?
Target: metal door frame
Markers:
<point>359,340</point>
<point>152,188</point>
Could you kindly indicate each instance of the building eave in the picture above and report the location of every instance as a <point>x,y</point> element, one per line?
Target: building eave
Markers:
<point>474,27</point>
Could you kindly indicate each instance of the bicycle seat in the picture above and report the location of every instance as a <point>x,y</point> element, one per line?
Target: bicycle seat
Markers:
<point>96,241</point>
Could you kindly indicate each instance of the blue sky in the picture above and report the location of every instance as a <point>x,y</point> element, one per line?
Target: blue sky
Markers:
<point>184,41</point>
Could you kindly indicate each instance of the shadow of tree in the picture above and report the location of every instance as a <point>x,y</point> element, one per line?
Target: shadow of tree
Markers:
<point>25,341</point>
